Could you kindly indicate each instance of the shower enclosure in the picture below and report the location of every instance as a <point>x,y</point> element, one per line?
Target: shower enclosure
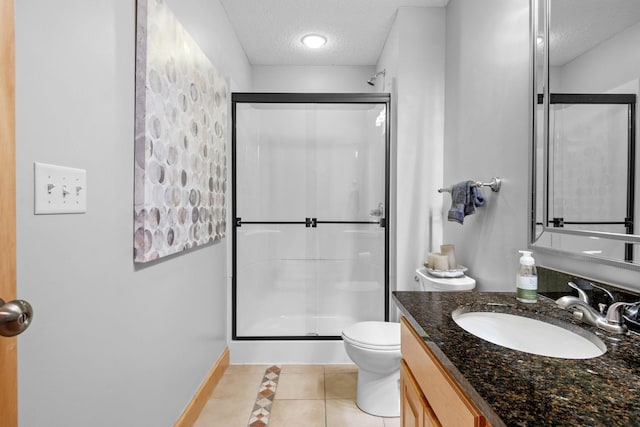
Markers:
<point>310,236</point>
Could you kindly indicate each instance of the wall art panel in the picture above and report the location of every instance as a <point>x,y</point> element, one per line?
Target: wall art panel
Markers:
<point>180,139</point>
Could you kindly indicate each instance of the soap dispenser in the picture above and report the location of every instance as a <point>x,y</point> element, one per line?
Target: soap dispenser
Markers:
<point>527,279</point>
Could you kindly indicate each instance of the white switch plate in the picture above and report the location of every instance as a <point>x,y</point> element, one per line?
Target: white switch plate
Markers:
<point>59,189</point>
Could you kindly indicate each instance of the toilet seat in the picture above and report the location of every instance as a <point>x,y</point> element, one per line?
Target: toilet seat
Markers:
<point>373,335</point>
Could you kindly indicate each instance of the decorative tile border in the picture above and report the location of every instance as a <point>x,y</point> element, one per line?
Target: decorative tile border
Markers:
<point>262,408</point>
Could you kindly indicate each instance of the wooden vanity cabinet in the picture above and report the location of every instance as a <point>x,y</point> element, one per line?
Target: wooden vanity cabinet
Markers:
<point>429,395</point>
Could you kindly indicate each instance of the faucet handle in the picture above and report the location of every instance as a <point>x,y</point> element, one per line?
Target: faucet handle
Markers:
<point>581,293</point>
<point>614,313</point>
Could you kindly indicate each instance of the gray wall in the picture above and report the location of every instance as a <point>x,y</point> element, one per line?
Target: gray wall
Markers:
<point>486,132</point>
<point>413,57</point>
<point>111,344</point>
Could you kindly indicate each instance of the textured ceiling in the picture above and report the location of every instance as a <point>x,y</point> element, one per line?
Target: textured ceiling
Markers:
<point>270,30</point>
<point>579,25</point>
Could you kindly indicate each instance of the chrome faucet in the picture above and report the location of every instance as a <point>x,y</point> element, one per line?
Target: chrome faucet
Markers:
<point>611,322</point>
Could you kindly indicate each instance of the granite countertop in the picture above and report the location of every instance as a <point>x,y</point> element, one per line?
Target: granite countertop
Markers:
<point>521,389</point>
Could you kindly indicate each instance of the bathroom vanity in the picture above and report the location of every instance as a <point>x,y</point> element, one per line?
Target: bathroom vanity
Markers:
<point>451,377</point>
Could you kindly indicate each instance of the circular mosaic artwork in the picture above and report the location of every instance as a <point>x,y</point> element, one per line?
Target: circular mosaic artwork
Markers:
<point>180,143</point>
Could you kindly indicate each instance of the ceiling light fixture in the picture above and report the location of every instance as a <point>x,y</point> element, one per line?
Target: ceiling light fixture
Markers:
<point>314,41</point>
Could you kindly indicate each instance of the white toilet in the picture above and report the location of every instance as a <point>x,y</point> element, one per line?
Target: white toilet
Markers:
<point>375,348</point>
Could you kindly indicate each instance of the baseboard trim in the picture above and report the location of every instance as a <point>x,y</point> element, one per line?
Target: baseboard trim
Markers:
<point>193,409</point>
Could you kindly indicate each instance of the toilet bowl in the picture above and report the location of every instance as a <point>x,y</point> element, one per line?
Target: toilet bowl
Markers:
<point>375,348</point>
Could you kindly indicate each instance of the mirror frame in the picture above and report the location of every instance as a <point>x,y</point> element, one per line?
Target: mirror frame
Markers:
<point>541,9</point>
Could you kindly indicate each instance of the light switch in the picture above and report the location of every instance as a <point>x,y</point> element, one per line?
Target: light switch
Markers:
<point>59,189</point>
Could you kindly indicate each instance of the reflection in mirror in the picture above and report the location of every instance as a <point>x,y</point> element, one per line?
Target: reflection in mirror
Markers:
<point>587,79</point>
<point>590,180</point>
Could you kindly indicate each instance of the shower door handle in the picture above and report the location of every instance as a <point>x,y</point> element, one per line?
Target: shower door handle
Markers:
<point>379,211</point>
<point>15,317</point>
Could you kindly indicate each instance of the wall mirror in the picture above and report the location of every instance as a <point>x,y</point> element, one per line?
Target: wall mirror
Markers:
<point>586,81</point>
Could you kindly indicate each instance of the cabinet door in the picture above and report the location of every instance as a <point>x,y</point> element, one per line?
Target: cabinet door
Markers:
<point>443,394</point>
<point>415,410</point>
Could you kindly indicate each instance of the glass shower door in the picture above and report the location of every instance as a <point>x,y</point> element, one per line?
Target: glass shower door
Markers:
<point>310,242</point>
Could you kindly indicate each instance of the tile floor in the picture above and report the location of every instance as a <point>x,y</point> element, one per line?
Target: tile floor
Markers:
<point>305,395</point>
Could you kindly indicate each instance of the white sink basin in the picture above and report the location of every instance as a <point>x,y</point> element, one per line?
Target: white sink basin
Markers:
<point>530,335</point>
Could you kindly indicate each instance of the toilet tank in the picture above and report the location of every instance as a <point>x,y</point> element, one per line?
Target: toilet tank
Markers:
<point>444,284</point>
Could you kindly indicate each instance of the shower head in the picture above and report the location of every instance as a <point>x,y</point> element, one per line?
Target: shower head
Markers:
<point>372,79</point>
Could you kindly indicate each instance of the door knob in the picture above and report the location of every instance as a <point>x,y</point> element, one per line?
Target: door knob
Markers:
<point>15,317</point>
